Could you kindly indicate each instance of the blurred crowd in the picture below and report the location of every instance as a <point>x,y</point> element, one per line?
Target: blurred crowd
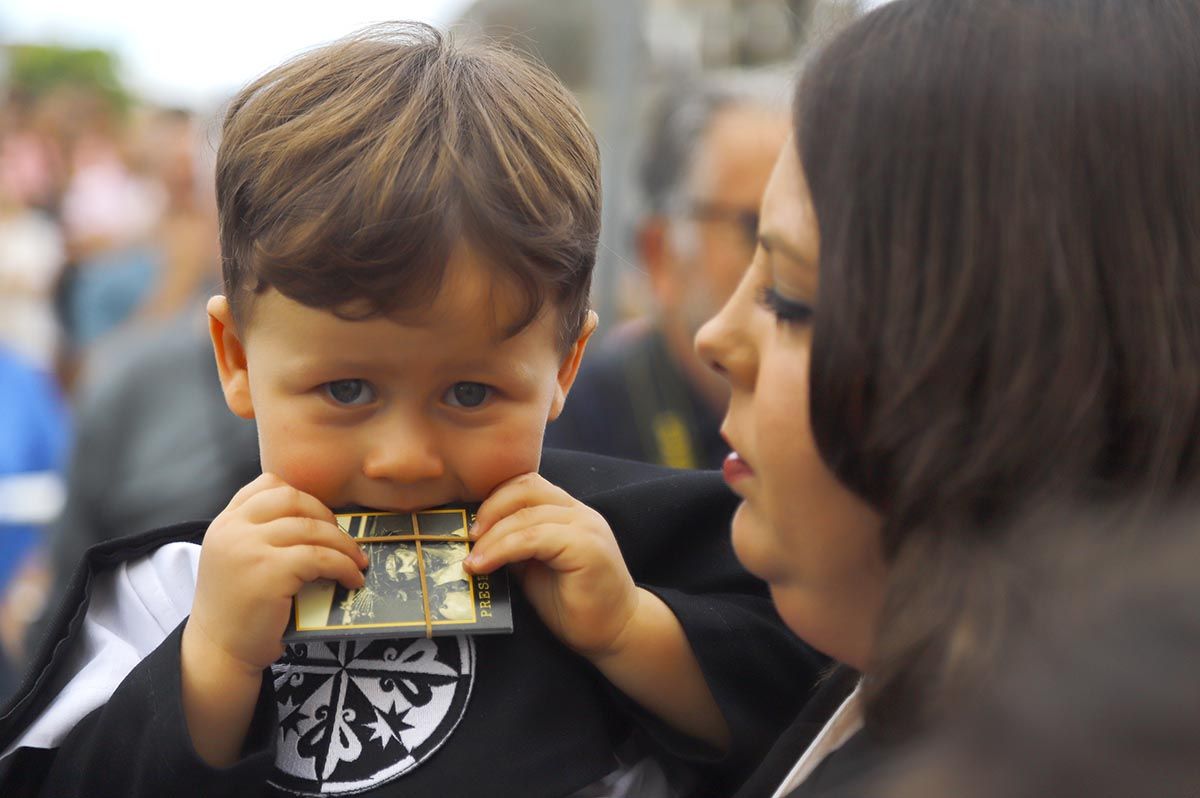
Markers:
<point>107,234</point>
<point>107,219</point>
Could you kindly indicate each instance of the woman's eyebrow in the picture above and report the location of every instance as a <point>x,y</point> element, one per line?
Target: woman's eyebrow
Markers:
<point>771,242</point>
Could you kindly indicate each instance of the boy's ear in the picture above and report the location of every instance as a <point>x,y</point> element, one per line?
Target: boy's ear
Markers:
<point>231,357</point>
<point>570,365</point>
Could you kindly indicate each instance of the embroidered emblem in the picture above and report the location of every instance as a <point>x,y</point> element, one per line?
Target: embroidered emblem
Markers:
<point>356,714</point>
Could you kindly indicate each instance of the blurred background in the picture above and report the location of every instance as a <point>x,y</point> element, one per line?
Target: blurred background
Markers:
<point>110,418</point>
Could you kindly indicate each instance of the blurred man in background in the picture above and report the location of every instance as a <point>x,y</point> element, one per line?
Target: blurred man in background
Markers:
<point>644,394</point>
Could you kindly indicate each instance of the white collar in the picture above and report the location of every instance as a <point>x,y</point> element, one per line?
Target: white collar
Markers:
<point>840,727</point>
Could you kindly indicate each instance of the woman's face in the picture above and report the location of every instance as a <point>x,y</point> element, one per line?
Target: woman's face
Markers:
<point>815,543</point>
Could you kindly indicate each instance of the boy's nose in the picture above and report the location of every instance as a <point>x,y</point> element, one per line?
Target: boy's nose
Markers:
<point>404,456</point>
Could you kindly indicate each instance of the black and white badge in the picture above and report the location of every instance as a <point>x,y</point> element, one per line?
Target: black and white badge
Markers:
<point>354,714</point>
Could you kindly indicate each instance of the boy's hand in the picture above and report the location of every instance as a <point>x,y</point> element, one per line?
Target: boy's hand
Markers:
<point>269,541</point>
<point>566,558</point>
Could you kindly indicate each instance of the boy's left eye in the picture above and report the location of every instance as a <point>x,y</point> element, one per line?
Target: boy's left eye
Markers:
<point>467,394</point>
<point>350,392</point>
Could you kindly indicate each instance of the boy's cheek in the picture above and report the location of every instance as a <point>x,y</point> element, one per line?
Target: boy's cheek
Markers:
<point>321,483</point>
<point>485,465</point>
<point>316,470</point>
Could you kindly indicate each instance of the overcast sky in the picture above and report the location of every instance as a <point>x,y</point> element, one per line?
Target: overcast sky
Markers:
<point>198,54</point>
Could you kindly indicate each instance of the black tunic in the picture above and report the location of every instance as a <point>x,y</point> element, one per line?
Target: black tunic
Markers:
<point>534,719</point>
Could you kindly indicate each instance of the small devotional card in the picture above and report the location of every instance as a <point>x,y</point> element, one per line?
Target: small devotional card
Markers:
<point>415,583</point>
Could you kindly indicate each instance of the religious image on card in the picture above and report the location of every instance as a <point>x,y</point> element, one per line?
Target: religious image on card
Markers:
<point>415,583</point>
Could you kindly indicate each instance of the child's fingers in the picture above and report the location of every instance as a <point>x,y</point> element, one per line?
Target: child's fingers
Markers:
<point>293,531</point>
<point>284,501</point>
<point>257,485</point>
<point>551,543</point>
<point>518,493</point>
<point>310,563</point>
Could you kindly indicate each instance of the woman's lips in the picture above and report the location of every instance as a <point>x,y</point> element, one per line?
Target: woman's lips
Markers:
<point>735,468</point>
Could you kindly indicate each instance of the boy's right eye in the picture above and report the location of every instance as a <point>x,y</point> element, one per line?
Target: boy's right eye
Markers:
<point>350,392</point>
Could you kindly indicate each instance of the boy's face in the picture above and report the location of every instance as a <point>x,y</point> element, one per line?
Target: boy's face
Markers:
<point>397,414</point>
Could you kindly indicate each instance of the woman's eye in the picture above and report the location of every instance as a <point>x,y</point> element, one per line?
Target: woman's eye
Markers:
<point>467,394</point>
<point>787,311</point>
<point>350,392</point>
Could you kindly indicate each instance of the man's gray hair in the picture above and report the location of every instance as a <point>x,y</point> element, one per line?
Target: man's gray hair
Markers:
<point>681,116</point>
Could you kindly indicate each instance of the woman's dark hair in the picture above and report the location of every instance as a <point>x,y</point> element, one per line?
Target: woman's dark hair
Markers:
<point>1008,197</point>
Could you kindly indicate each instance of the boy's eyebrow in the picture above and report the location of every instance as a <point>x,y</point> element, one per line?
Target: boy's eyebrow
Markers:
<point>309,361</point>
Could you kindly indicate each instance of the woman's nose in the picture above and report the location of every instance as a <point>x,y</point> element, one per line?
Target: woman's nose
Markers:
<point>708,344</point>
<point>723,342</point>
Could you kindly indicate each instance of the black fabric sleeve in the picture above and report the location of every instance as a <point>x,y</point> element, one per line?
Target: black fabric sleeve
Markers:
<point>759,673</point>
<point>138,745</point>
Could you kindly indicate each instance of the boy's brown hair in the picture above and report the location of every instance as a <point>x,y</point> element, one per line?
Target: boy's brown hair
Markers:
<point>346,176</point>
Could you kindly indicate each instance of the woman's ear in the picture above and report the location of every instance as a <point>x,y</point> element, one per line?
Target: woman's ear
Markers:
<point>231,357</point>
<point>570,365</point>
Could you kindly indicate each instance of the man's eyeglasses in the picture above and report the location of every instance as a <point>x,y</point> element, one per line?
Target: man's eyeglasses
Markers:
<point>745,219</point>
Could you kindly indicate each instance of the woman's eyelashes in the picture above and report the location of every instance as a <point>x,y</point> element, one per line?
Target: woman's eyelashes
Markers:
<point>350,392</point>
<point>467,395</point>
<point>785,310</point>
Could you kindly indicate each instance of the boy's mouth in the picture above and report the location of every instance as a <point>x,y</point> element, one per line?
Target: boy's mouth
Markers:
<point>346,509</point>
